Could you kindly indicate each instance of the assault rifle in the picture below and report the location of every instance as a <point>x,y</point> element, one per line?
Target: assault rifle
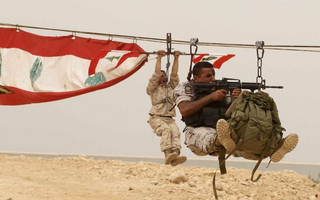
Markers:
<point>229,84</point>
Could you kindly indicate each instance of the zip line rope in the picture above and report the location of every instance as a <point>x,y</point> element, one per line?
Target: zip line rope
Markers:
<point>304,48</point>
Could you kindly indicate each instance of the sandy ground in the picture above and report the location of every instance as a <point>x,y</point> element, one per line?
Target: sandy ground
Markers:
<point>82,178</point>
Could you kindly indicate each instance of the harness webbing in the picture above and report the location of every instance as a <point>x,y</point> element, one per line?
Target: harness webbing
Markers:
<point>167,68</point>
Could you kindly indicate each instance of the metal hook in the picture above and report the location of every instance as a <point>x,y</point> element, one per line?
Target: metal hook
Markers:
<point>110,37</point>
<point>194,41</point>
<point>17,28</point>
<point>74,35</point>
<point>135,40</point>
<point>260,54</point>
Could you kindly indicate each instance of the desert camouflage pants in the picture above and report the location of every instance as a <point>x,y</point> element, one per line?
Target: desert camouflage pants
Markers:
<point>204,141</point>
<point>166,128</point>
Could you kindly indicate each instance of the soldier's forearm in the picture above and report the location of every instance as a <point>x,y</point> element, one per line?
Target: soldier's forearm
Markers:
<point>175,67</point>
<point>188,108</point>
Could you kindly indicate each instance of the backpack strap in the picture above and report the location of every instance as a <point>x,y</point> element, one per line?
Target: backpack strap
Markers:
<point>222,163</point>
<point>258,163</point>
<point>255,169</point>
<point>222,167</point>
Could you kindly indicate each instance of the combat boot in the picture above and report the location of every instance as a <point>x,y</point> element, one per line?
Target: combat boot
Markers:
<point>224,135</point>
<point>169,156</point>
<point>288,144</point>
<point>179,159</point>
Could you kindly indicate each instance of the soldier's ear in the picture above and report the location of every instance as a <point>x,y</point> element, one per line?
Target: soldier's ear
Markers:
<point>195,78</point>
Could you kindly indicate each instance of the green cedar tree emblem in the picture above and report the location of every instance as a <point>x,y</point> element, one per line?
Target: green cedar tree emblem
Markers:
<point>209,58</point>
<point>95,79</point>
<point>36,70</point>
<point>111,58</point>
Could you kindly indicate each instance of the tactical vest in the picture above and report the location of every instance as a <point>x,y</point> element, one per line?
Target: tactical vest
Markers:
<point>208,115</point>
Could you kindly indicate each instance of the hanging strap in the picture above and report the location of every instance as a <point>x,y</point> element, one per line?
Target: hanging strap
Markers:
<point>193,43</point>
<point>222,163</point>
<point>260,52</point>
<point>222,158</point>
<point>260,159</point>
<point>169,49</point>
<point>222,167</point>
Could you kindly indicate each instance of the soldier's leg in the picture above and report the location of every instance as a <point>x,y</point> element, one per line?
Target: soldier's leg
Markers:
<point>176,146</point>
<point>175,135</point>
<point>161,129</point>
<point>224,135</point>
<point>202,141</point>
<point>287,145</point>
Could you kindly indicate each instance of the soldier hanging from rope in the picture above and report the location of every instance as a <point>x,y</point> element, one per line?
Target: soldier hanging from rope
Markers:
<point>161,113</point>
<point>253,130</point>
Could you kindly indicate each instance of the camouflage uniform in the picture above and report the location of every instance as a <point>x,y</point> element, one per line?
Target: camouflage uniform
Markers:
<point>201,140</point>
<point>161,117</point>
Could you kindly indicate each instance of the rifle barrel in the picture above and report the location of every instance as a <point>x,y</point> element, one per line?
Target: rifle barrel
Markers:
<point>277,87</point>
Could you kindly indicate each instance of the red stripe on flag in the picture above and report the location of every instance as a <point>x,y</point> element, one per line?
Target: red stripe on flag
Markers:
<point>199,58</point>
<point>47,46</point>
<point>217,64</point>
<point>125,56</point>
<point>94,62</point>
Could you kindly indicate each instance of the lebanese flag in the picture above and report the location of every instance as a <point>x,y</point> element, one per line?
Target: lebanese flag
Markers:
<point>216,60</point>
<point>36,68</point>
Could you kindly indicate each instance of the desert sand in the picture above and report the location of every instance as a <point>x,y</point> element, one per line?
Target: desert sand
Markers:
<point>84,178</point>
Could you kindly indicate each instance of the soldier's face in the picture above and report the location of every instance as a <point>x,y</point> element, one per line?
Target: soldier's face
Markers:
<point>206,76</point>
<point>163,79</point>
